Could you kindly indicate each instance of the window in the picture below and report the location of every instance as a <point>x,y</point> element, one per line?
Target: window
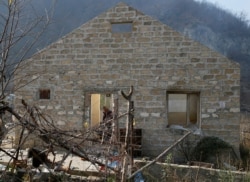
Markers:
<point>44,94</point>
<point>183,108</point>
<point>121,27</point>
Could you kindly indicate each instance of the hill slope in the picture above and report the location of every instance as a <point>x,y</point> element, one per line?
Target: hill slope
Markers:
<point>204,22</point>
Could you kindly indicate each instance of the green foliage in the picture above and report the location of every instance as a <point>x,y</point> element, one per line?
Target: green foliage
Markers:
<point>209,146</point>
<point>227,177</point>
<point>246,178</point>
<point>110,179</point>
<point>169,158</point>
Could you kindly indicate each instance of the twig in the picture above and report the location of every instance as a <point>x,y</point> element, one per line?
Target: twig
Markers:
<point>63,159</point>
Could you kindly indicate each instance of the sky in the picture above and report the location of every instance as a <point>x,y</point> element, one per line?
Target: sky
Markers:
<point>234,6</point>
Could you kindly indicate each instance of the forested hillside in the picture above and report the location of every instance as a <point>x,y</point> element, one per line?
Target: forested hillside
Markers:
<point>218,29</point>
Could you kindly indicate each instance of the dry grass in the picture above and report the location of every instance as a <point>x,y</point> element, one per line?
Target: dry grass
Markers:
<point>245,129</point>
<point>245,140</point>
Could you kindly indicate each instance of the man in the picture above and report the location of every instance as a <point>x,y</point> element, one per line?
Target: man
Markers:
<point>107,114</point>
<point>107,123</point>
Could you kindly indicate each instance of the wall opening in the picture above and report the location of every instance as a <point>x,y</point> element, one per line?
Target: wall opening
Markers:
<point>44,94</point>
<point>122,27</point>
<point>183,108</point>
<point>97,101</point>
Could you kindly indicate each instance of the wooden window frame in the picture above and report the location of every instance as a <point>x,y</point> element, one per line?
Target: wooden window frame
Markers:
<point>187,107</point>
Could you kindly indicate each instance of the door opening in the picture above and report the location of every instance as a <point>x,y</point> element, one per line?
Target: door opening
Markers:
<point>98,100</point>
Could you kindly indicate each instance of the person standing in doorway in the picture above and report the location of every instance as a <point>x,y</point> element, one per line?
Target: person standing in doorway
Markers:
<point>107,114</point>
<point>107,122</point>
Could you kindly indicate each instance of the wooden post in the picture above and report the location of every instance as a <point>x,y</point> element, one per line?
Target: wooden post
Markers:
<point>131,129</point>
<point>128,136</point>
<point>115,132</point>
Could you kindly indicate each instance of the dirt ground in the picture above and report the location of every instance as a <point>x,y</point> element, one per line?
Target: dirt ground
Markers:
<point>76,162</point>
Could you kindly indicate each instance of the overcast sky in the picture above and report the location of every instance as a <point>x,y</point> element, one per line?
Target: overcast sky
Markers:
<point>235,6</point>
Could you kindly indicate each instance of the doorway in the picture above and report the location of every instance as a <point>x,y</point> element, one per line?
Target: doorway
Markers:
<point>97,101</point>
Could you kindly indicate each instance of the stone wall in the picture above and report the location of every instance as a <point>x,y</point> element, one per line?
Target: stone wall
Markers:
<point>152,57</point>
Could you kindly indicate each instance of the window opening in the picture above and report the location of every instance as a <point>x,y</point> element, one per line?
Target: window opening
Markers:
<point>183,108</point>
<point>121,27</point>
<point>44,94</point>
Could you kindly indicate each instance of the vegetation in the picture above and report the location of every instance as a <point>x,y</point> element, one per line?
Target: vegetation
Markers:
<point>245,156</point>
<point>209,146</point>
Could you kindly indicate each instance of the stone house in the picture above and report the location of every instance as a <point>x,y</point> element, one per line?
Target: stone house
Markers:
<point>177,81</point>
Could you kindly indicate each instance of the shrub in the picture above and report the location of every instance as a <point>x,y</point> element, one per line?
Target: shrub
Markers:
<point>213,150</point>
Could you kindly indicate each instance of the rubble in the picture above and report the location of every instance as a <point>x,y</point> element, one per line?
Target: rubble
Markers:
<point>82,152</point>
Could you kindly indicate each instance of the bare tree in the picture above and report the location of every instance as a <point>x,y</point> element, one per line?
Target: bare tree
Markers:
<point>20,29</point>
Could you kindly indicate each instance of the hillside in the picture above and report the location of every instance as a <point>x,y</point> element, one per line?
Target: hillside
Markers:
<point>204,22</point>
